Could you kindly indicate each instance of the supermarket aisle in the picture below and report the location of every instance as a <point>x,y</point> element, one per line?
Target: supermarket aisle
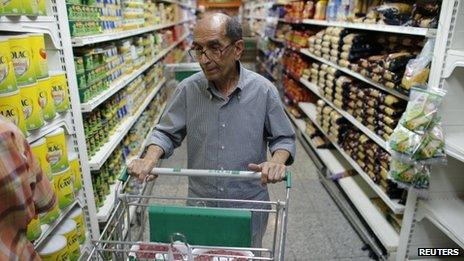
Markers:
<point>317,230</point>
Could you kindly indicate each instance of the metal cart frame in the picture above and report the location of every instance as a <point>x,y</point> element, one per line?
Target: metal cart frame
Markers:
<point>116,242</point>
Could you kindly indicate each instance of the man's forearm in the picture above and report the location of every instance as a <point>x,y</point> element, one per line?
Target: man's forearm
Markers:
<point>154,152</point>
<point>280,156</point>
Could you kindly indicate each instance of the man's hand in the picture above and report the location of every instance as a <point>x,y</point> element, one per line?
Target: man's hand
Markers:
<point>272,172</point>
<point>140,168</point>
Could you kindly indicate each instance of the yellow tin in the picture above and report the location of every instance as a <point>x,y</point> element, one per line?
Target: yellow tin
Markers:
<point>33,230</point>
<point>10,107</point>
<point>12,7</point>
<point>78,216</point>
<point>29,95</point>
<point>69,230</point>
<point>20,49</point>
<point>75,170</point>
<point>7,75</point>
<point>60,91</point>
<point>46,99</point>
<point>42,8</point>
<point>39,149</point>
<point>39,55</point>
<point>55,249</point>
<point>57,150</point>
<point>64,188</point>
<point>30,7</point>
<point>52,214</point>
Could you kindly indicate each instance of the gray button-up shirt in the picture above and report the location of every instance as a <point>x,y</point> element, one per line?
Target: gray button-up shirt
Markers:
<point>225,132</point>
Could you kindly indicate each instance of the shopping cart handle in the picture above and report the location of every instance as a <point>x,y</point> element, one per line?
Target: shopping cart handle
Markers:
<point>215,173</point>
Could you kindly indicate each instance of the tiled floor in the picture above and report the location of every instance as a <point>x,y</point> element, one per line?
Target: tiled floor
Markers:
<point>317,230</point>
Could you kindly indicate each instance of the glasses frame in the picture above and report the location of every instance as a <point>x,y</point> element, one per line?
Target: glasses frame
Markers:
<point>197,57</point>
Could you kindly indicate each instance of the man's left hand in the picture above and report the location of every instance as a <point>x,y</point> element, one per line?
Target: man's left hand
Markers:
<point>272,172</point>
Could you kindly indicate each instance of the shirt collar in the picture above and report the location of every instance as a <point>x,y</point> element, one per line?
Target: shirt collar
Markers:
<point>240,83</point>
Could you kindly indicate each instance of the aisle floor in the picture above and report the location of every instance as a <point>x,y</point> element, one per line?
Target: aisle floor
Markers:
<point>317,230</point>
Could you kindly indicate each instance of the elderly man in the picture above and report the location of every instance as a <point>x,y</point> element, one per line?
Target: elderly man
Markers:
<point>230,115</point>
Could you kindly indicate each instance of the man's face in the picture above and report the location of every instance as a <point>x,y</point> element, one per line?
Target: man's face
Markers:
<point>217,55</point>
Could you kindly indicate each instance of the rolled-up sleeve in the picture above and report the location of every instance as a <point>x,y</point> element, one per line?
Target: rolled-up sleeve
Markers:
<point>279,130</point>
<point>171,130</point>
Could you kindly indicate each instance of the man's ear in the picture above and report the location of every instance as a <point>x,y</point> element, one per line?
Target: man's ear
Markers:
<point>239,48</point>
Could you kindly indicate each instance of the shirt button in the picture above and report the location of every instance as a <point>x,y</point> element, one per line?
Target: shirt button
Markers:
<point>222,168</point>
<point>222,147</point>
<point>221,189</point>
<point>223,125</point>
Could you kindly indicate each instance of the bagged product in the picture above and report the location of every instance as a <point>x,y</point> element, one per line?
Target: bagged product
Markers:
<point>404,141</point>
<point>418,69</point>
<point>416,175</point>
<point>432,146</point>
<point>422,109</point>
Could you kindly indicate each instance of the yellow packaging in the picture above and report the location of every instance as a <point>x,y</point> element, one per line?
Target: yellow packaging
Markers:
<point>64,188</point>
<point>39,149</point>
<point>77,215</point>
<point>30,7</point>
<point>52,214</point>
<point>10,107</point>
<point>46,99</point>
<point>57,151</point>
<point>75,171</point>
<point>60,91</point>
<point>55,249</point>
<point>32,111</point>
<point>69,230</point>
<point>20,49</point>
<point>12,7</point>
<point>39,55</point>
<point>33,230</point>
<point>42,8</point>
<point>7,75</point>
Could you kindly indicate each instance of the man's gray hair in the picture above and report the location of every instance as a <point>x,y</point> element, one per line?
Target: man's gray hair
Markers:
<point>234,29</point>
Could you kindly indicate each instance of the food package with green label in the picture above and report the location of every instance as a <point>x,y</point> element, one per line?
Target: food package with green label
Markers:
<point>409,174</point>
<point>422,109</point>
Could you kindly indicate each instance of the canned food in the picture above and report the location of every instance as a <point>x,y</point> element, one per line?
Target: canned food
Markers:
<point>78,216</point>
<point>52,214</point>
<point>68,229</point>
<point>33,230</point>
<point>55,249</point>
<point>75,171</point>
<point>29,95</point>
<point>39,149</point>
<point>46,99</point>
<point>10,108</point>
<point>60,91</point>
<point>39,55</point>
<point>20,49</point>
<point>57,150</point>
<point>64,188</point>
<point>7,75</point>
<point>12,7</point>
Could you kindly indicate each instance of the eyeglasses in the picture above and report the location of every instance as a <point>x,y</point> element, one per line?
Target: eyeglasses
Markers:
<point>211,53</point>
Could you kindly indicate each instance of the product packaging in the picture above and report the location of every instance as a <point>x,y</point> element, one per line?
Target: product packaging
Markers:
<point>68,229</point>
<point>7,74</point>
<point>54,249</point>
<point>29,95</point>
<point>418,69</point>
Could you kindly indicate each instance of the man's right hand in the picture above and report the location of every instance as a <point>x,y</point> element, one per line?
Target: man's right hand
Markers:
<point>141,168</point>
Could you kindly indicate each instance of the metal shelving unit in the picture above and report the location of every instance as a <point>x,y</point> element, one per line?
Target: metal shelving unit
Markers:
<point>93,39</point>
<point>97,160</point>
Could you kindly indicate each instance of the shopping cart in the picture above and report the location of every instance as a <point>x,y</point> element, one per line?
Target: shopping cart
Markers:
<point>179,232</point>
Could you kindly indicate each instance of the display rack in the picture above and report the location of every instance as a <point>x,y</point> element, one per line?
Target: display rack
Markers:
<point>436,220</point>
<point>447,186</point>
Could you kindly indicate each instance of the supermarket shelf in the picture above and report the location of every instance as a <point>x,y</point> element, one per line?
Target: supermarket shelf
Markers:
<point>334,162</point>
<point>376,220</point>
<point>92,104</point>
<point>455,142</point>
<point>354,74</point>
<point>310,111</point>
<point>277,40</point>
<point>104,211</point>
<point>40,24</point>
<point>93,39</point>
<point>454,58</point>
<point>269,72</point>
<point>409,30</point>
<point>51,227</point>
<point>61,120</point>
<point>446,215</point>
<point>96,162</point>
<point>311,86</point>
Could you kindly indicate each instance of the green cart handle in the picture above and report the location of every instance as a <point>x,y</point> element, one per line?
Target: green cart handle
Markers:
<point>124,175</point>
